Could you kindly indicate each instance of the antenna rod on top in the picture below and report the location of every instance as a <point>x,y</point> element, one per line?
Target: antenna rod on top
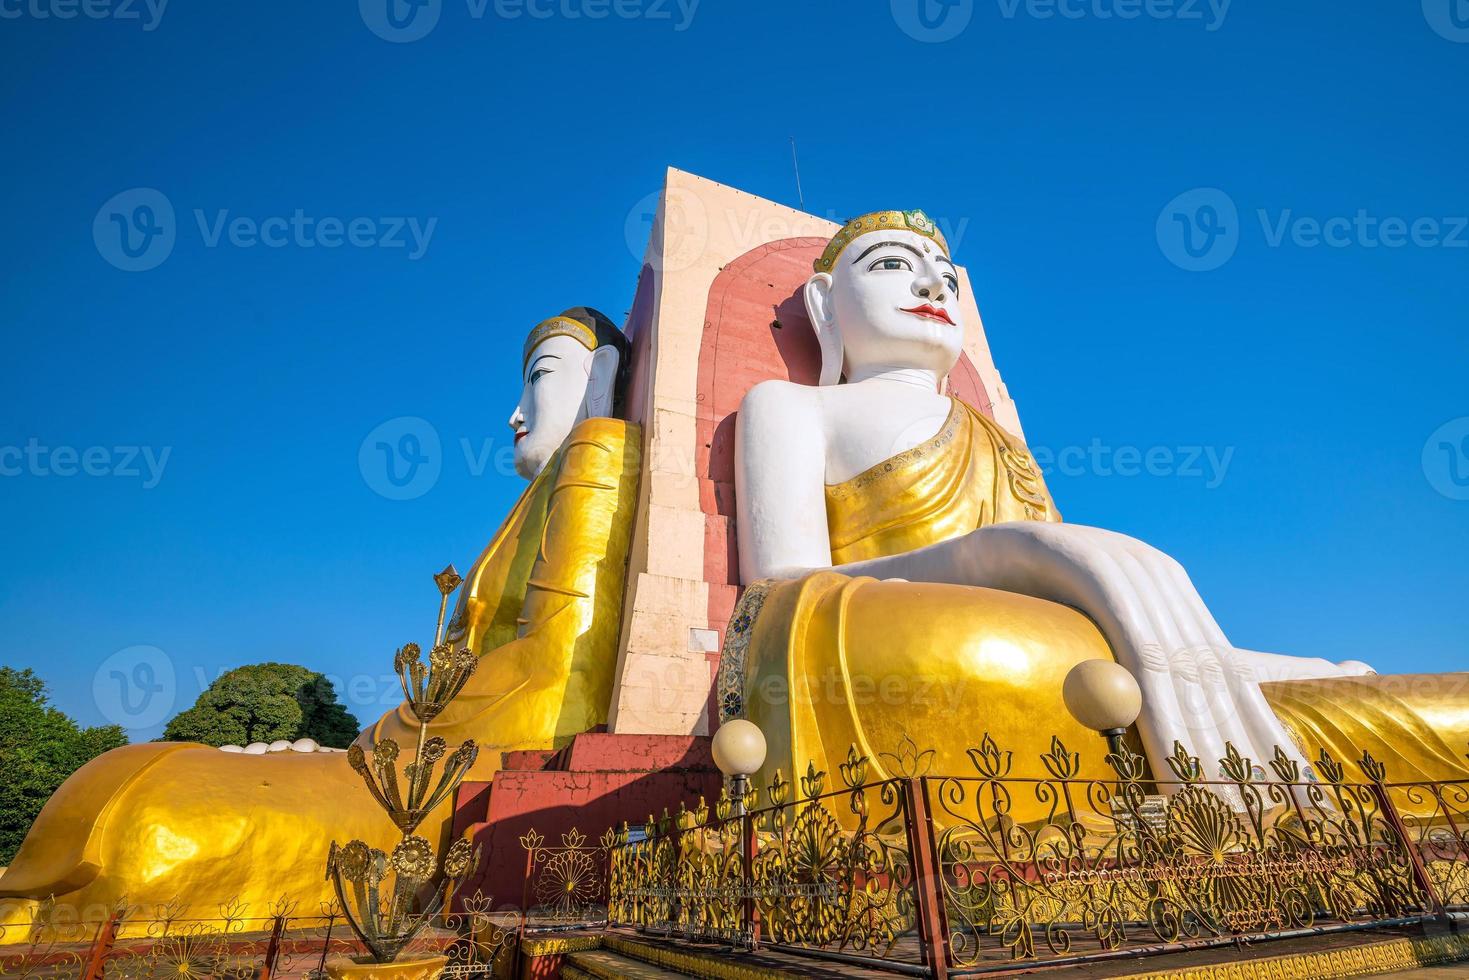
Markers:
<point>797,164</point>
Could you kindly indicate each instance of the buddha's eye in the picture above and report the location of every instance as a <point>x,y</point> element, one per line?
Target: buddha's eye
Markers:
<point>953,282</point>
<point>537,374</point>
<point>890,264</point>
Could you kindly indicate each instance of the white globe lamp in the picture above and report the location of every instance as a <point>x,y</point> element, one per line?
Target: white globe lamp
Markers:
<point>739,752</point>
<point>1104,697</point>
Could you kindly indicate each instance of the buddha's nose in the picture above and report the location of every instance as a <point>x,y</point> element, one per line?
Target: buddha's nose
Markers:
<point>929,287</point>
<point>517,419</point>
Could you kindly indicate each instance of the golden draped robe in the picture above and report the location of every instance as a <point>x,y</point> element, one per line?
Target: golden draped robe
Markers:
<point>166,821</point>
<point>1415,725</point>
<point>913,674</point>
<point>542,606</point>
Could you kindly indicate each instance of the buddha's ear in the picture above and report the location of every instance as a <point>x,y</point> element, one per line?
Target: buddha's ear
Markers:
<point>601,381</point>
<point>823,321</point>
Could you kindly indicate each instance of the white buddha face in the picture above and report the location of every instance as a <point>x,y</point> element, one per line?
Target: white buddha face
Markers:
<point>564,384</point>
<point>891,301</point>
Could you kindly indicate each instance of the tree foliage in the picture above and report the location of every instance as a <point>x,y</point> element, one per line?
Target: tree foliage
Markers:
<point>263,703</point>
<point>39,747</point>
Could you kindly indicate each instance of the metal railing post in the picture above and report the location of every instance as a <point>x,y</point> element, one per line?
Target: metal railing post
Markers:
<point>100,947</point>
<point>610,852</point>
<point>749,845</point>
<point>530,866</point>
<point>273,950</point>
<point>326,944</point>
<point>1415,860</point>
<point>928,880</point>
<point>676,907</point>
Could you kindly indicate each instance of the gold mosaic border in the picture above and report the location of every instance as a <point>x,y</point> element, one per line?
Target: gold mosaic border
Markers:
<point>958,415</point>
<point>730,683</point>
<point>1358,961</point>
<point>559,945</point>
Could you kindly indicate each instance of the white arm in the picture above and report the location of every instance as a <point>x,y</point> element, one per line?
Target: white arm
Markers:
<point>780,475</point>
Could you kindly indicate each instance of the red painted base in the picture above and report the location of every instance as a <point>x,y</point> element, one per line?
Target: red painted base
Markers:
<point>596,782</point>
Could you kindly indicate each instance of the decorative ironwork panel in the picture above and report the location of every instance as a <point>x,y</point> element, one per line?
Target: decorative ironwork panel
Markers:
<point>709,875</point>
<point>51,945</point>
<point>640,877</point>
<point>566,882</point>
<point>821,870</point>
<point>833,870</point>
<point>176,941</point>
<point>1436,819</point>
<point>1136,862</point>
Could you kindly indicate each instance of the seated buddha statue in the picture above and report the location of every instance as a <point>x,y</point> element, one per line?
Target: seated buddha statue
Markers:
<point>163,821</point>
<point>908,575</point>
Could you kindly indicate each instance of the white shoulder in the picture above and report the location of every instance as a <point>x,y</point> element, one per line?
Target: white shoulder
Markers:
<point>777,400</point>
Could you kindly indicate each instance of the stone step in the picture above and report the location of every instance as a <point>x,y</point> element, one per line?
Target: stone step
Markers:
<point>604,964</point>
<point>1318,957</point>
<point>602,752</point>
<point>531,760</point>
<point>715,963</point>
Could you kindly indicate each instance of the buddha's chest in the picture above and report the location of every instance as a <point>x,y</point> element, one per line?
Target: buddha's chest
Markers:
<point>864,432</point>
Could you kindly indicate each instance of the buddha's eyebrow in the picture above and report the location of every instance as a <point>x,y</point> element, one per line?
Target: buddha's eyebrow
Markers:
<point>532,366</point>
<point>944,258</point>
<point>884,245</point>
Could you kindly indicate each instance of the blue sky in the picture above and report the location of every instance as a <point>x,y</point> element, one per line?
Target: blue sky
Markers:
<point>1068,155</point>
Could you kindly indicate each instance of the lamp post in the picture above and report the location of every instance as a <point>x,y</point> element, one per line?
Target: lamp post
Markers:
<point>739,752</point>
<point>1104,697</point>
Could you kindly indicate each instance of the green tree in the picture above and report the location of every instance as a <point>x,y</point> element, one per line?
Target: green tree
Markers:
<point>263,703</point>
<point>39,747</point>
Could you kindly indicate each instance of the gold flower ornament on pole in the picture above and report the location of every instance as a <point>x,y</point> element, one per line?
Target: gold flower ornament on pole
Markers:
<point>388,898</point>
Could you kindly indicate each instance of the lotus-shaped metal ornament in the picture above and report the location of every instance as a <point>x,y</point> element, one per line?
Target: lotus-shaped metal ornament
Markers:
<point>388,898</point>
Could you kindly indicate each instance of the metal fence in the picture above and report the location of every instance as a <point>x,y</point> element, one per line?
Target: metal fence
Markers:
<point>916,872</point>
<point>942,875</point>
<point>167,942</point>
<point>565,886</point>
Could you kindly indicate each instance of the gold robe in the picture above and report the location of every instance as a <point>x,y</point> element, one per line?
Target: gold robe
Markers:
<point>543,606</point>
<point>1416,725</point>
<point>898,668</point>
<point>166,821</point>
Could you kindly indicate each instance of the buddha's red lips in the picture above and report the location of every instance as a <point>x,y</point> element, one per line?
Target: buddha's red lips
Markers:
<point>521,434</point>
<point>931,313</point>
